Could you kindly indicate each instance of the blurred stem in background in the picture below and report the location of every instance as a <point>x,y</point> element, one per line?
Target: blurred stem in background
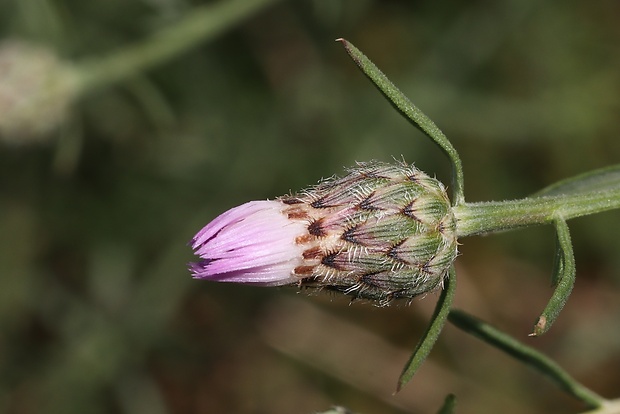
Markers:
<point>37,88</point>
<point>199,25</point>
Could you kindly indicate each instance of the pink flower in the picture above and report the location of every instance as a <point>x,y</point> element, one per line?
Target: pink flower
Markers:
<point>252,243</point>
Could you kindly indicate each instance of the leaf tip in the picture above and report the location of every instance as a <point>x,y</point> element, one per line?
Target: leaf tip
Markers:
<point>399,386</point>
<point>345,43</point>
<point>540,327</point>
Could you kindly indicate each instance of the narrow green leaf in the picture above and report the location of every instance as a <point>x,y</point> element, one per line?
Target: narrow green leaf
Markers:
<point>603,179</point>
<point>448,405</point>
<point>563,279</point>
<point>411,112</point>
<point>438,320</point>
<point>527,355</point>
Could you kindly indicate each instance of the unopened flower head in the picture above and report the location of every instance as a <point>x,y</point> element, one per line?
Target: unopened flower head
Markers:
<point>381,232</point>
<point>36,90</point>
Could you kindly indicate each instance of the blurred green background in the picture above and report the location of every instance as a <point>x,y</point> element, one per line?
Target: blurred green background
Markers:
<point>98,313</point>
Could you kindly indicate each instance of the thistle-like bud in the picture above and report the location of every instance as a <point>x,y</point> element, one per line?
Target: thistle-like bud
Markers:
<point>381,232</point>
<point>36,90</point>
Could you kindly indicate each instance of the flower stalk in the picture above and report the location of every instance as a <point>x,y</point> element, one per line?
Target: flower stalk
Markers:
<point>488,217</point>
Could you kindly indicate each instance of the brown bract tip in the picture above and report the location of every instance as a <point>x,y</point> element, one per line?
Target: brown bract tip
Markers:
<point>540,327</point>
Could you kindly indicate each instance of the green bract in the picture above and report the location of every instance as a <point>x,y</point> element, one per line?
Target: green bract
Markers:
<point>382,232</point>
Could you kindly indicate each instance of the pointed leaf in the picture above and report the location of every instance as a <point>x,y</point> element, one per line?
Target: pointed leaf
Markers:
<point>563,279</point>
<point>411,112</point>
<point>432,332</point>
<point>598,180</point>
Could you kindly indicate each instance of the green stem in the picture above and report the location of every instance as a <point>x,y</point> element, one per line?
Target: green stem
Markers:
<point>488,217</point>
<point>528,355</point>
<point>200,24</point>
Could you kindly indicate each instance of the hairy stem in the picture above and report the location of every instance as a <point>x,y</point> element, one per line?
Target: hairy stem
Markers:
<point>494,216</point>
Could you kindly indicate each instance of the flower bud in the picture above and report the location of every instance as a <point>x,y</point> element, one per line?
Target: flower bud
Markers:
<point>36,90</point>
<point>381,232</point>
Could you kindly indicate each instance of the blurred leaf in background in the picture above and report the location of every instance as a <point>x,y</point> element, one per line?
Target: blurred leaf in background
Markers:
<point>97,310</point>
